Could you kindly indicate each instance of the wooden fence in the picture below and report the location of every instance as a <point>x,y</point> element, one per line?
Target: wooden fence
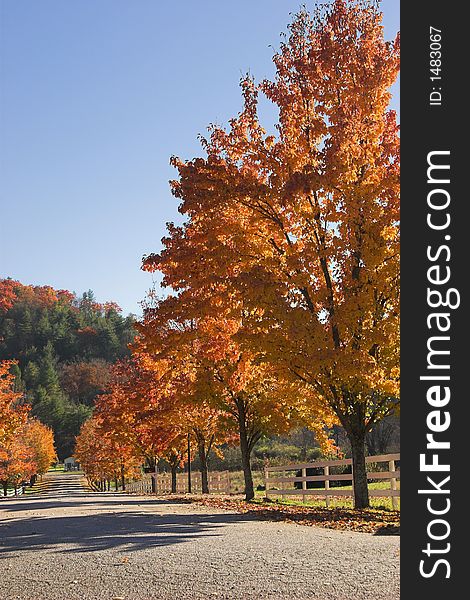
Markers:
<point>18,492</point>
<point>140,486</point>
<point>298,483</point>
<point>219,482</point>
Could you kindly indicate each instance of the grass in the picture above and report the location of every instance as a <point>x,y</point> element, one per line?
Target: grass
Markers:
<point>58,467</point>
<point>380,503</point>
<point>237,487</point>
<point>237,481</point>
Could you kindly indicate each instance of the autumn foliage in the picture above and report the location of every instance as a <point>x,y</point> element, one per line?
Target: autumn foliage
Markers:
<point>104,457</point>
<point>12,415</point>
<point>146,417</point>
<point>12,291</point>
<point>26,445</point>
<point>64,346</point>
<point>283,304</point>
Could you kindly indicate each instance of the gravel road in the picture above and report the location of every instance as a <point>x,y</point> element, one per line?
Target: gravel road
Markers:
<point>71,544</point>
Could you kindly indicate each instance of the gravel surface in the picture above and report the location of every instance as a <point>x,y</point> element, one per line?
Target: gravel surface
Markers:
<point>71,544</point>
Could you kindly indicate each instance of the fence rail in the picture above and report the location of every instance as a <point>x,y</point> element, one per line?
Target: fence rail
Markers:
<point>219,482</point>
<point>18,492</point>
<point>279,475</point>
<point>141,486</point>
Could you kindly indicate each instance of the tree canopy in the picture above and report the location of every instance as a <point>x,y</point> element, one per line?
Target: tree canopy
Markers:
<point>295,236</point>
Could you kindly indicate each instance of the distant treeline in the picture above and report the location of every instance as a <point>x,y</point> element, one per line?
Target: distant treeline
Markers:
<point>65,346</point>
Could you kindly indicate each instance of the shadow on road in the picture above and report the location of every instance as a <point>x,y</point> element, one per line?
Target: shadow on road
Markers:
<point>128,531</point>
<point>67,518</point>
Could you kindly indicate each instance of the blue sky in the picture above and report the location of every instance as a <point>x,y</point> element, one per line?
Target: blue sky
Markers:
<point>95,96</point>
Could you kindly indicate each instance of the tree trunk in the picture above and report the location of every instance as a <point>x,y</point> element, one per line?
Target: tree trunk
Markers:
<point>116,485</point>
<point>201,450</point>
<point>354,423</point>
<point>361,491</point>
<point>152,465</point>
<point>190,488</point>
<point>123,479</point>
<point>245,450</point>
<point>5,488</point>
<point>173,478</point>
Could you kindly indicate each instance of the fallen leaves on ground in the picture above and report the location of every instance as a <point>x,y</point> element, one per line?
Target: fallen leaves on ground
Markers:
<point>372,520</point>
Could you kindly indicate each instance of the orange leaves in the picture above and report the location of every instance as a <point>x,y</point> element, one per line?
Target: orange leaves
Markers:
<point>12,415</point>
<point>83,380</point>
<point>289,254</point>
<point>26,446</point>
<point>40,440</point>
<point>12,291</point>
<point>87,331</point>
<point>7,293</point>
<point>133,419</point>
<point>105,453</point>
<point>16,461</point>
<point>284,277</point>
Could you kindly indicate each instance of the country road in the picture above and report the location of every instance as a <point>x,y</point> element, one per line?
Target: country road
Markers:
<point>72,544</point>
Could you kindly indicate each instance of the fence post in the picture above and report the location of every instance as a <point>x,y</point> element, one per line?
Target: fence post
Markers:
<point>393,484</point>
<point>304,484</point>
<point>326,472</point>
<point>266,476</point>
<point>352,482</point>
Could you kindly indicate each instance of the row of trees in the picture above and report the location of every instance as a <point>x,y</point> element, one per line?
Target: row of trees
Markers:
<point>26,445</point>
<point>148,415</point>
<point>283,295</point>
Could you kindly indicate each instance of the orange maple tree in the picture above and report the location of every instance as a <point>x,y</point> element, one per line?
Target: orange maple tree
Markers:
<point>40,440</point>
<point>12,414</point>
<point>168,354</point>
<point>137,410</point>
<point>213,375</point>
<point>301,229</point>
<point>26,445</point>
<point>16,463</point>
<point>136,421</point>
<point>104,457</point>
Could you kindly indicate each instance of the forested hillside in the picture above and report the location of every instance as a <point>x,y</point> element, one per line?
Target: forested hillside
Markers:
<point>65,346</point>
